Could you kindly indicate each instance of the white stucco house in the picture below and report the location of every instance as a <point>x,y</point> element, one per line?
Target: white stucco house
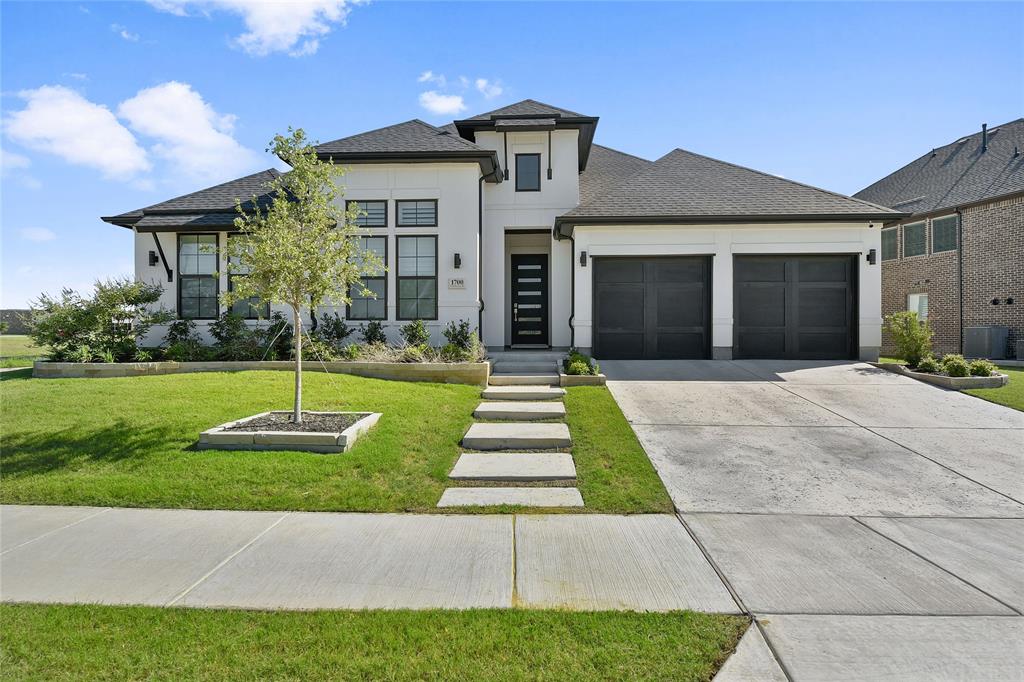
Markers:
<point>517,221</point>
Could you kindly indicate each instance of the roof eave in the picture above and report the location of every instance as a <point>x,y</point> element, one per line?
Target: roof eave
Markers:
<point>487,160</point>
<point>587,125</point>
<point>565,225</point>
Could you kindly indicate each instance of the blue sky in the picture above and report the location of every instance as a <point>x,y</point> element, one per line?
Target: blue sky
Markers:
<point>112,106</point>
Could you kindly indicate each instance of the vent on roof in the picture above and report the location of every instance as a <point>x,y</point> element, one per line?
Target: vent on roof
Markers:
<point>910,201</point>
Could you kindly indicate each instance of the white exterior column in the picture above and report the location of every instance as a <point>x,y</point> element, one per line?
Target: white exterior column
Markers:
<point>722,297</point>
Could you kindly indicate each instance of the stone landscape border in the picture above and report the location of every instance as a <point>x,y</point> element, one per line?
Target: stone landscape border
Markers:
<point>954,383</point>
<point>581,379</point>
<point>472,373</point>
<point>220,438</point>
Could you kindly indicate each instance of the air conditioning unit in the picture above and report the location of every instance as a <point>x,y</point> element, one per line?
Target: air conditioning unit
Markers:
<point>986,342</point>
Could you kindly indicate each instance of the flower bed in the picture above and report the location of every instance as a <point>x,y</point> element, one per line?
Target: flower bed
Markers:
<point>473,373</point>
<point>326,432</point>
<point>944,380</point>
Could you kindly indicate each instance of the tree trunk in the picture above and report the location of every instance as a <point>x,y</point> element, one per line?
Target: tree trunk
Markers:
<point>297,411</point>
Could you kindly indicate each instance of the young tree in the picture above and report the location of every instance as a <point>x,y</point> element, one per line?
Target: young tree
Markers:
<point>301,249</point>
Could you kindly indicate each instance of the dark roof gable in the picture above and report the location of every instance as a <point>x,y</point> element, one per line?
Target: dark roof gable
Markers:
<point>607,170</point>
<point>410,136</point>
<point>956,174</point>
<point>528,107</point>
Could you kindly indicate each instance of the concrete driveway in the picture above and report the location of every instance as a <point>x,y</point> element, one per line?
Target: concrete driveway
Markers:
<point>873,524</point>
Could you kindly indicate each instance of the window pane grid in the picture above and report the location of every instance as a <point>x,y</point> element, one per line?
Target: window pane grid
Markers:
<point>198,288</point>
<point>914,243</point>
<point>944,237</point>
<point>376,213</point>
<point>417,213</point>
<point>369,307</point>
<point>417,278</point>
<point>890,244</point>
<point>527,172</point>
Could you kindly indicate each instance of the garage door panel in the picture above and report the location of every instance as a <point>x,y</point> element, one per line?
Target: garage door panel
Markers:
<point>798,307</point>
<point>651,307</point>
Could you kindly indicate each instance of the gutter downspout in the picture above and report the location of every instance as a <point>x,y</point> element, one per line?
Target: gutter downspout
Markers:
<point>480,258</point>
<point>960,270</point>
<point>572,292</point>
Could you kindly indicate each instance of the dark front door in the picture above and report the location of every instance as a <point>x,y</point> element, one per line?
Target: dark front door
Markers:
<point>652,308</point>
<point>529,300</point>
<point>797,307</point>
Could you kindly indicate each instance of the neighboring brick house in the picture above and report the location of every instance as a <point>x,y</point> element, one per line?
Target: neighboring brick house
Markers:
<point>959,257</point>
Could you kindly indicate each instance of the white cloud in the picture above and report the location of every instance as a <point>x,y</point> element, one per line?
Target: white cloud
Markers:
<point>59,121</point>
<point>9,161</point>
<point>294,27</point>
<point>125,33</point>
<point>439,104</point>
<point>37,234</point>
<point>189,133</point>
<point>78,76</point>
<point>489,89</point>
<point>437,79</point>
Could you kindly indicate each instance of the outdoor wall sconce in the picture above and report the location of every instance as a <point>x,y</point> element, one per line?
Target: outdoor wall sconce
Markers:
<point>583,259</point>
<point>153,258</point>
<point>458,261</point>
<point>872,257</point>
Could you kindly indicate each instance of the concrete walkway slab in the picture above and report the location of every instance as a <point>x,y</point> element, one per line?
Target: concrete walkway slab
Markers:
<point>521,497</point>
<point>904,648</point>
<point>643,562</point>
<point>916,406</point>
<point>24,523</point>
<point>822,372</point>
<point>522,393</point>
<point>369,561</point>
<point>993,457</point>
<point>675,370</point>
<point>520,410</point>
<point>818,564</point>
<point>752,661</point>
<point>988,553</point>
<point>128,556</point>
<point>809,470</point>
<point>739,404</point>
<point>517,436</point>
<point>514,466</point>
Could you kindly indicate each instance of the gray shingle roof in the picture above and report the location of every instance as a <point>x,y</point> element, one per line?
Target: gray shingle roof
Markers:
<point>608,169</point>
<point>528,107</point>
<point>956,174</point>
<point>412,136</point>
<point>684,184</point>
<point>217,199</point>
<point>514,123</point>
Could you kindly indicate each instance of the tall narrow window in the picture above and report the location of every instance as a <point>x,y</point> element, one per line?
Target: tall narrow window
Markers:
<point>251,308</point>
<point>417,213</point>
<point>373,307</point>
<point>914,242</point>
<point>372,213</point>
<point>890,244</point>
<point>944,234</point>
<point>527,172</point>
<point>417,278</point>
<point>198,287</point>
<point>918,303</point>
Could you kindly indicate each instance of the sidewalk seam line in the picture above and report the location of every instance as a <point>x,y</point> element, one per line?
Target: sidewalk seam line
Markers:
<point>227,559</point>
<point>515,559</point>
<point>56,530</point>
<point>938,566</point>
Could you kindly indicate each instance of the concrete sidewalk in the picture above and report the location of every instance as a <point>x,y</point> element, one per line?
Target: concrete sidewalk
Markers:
<point>275,560</point>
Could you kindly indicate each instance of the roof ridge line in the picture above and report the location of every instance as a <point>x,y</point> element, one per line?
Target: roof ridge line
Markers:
<point>619,151</point>
<point>777,177</point>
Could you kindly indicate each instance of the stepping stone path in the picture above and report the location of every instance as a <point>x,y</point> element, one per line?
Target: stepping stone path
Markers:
<point>517,442</point>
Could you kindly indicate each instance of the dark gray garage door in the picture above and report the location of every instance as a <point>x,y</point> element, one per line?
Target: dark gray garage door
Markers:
<point>799,307</point>
<point>646,308</point>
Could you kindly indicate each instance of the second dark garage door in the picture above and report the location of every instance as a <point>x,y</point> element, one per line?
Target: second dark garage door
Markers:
<point>798,307</point>
<point>651,308</point>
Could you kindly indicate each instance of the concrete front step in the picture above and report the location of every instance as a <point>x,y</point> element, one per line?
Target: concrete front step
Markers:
<point>517,436</point>
<point>526,356</point>
<point>514,466</point>
<point>522,393</point>
<point>525,368</point>
<point>524,379</point>
<point>522,410</point>
<point>525,497</point>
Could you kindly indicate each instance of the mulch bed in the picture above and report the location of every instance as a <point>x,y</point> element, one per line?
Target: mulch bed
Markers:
<point>313,422</point>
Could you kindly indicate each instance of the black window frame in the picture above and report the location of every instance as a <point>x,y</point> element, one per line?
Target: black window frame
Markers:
<point>371,201</point>
<point>251,306</point>
<point>956,236</point>
<point>895,243</point>
<point>399,277</point>
<point>398,212</point>
<point>215,276</point>
<point>923,224</point>
<point>383,276</point>
<point>520,188</point>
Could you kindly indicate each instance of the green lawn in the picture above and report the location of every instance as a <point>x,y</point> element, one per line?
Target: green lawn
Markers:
<point>1011,395</point>
<point>129,442</point>
<point>18,351</point>
<point>134,643</point>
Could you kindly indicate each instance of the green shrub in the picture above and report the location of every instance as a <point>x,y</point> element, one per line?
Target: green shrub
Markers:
<point>415,353</point>
<point>143,355</point>
<point>579,363</point>
<point>333,331</point>
<point>415,333</point>
<point>351,352</point>
<point>955,366</point>
<point>912,337</point>
<point>234,340</point>
<point>106,324</point>
<point>460,334</point>
<point>276,340</point>
<point>928,364</point>
<point>373,333</point>
<point>4,327</point>
<point>181,331</point>
<point>316,349</point>
<point>982,368</point>
<point>186,351</point>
